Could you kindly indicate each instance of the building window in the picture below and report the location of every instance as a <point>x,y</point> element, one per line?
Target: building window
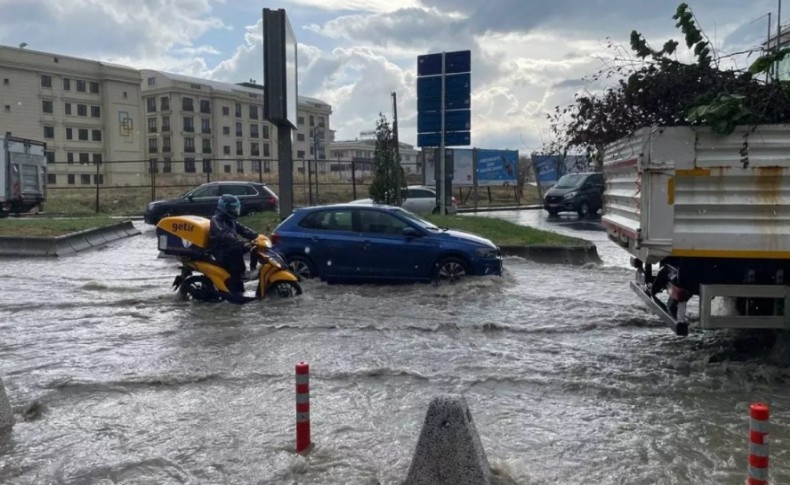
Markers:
<point>226,130</point>
<point>255,149</point>
<point>239,166</point>
<point>189,124</point>
<point>152,124</point>
<point>150,105</point>
<point>312,120</point>
<point>70,178</point>
<point>265,132</point>
<point>206,145</point>
<point>69,134</point>
<point>97,158</point>
<point>50,156</point>
<point>46,106</point>
<point>300,120</point>
<point>46,81</point>
<point>205,125</point>
<point>189,145</point>
<point>253,112</point>
<point>66,84</point>
<point>226,111</point>
<point>96,135</point>
<point>81,86</point>
<point>7,108</point>
<point>167,165</point>
<point>165,102</point>
<point>238,110</point>
<point>187,104</point>
<point>239,148</point>
<point>166,144</point>
<point>226,150</point>
<point>85,158</point>
<point>256,166</point>
<point>95,112</point>
<point>82,110</point>
<point>94,87</point>
<point>254,130</point>
<point>98,179</point>
<point>152,148</point>
<point>267,167</point>
<point>238,129</point>
<point>70,157</point>
<point>189,165</point>
<point>300,154</point>
<point>205,106</point>
<point>82,134</point>
<point>207,165</point>
<point>152,81</point>
<point>6,81</point>
<point>85,179</point>
<point>125,95</point>
<point>226,168</point>
<point>320,121</point>
<point>266,152</point>
<point>300,137</point>
<point>52,179</point>
<point>165,124</point>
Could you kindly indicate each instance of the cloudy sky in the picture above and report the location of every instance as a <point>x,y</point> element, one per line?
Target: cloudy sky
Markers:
<point>527,55</point>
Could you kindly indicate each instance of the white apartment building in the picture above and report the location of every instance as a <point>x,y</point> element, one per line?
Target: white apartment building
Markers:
<point>86,112</point>
<point>105,123</point>
<point>362,153</point>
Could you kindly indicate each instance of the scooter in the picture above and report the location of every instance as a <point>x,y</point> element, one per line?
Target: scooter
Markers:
<point>186,237</point>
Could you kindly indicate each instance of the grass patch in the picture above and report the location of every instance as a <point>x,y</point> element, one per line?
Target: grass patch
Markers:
<point>504,233</point>
<point>46,227</point>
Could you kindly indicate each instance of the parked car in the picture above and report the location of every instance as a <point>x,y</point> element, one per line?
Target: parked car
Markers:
<point>379,242</point>
<point>575,192</point>
<point>420,200</point>
<point>202,200</point>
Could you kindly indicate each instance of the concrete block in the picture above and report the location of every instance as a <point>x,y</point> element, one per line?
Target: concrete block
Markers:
<point>6,413</point>
<point>449,451</point>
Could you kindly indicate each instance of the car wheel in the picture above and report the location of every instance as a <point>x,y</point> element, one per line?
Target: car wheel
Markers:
<point>451,270</point>
<point>302,267</point>
<point>584,209</point>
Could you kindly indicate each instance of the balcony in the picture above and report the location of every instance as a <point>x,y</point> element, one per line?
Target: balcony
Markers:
<point>206,131</point>
<point>206,149</point>
<point>189,149</point>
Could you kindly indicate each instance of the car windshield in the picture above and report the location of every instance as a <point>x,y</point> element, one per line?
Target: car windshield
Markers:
<point>570,181</point>
<point>417,220</point>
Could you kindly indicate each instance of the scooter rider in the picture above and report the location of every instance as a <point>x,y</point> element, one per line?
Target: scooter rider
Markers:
<point>224,242</point>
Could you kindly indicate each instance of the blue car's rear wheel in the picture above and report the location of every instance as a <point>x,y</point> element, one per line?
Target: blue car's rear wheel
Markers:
<point>302,267</point>
<point>451,270</point>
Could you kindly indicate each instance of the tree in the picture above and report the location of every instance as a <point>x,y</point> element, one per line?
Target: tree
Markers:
<point>654,88</point>
<point>388,176</point>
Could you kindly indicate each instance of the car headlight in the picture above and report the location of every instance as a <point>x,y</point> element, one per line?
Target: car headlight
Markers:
<point>486,252</point>
<point>570,195</point>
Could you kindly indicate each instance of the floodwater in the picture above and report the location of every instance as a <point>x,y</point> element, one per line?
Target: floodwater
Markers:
<point>568,378</point>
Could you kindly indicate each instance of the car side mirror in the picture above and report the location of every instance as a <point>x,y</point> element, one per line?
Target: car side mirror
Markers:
<point>411,232</point>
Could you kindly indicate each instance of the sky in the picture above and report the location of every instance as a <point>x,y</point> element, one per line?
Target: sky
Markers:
<point>528,56</point>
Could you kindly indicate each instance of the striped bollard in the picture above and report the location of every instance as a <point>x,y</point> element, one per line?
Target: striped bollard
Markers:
<point>302,407</point>
<point>758,444</point>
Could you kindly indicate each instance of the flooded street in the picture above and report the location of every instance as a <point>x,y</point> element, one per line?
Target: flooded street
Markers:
<point>568,378</point>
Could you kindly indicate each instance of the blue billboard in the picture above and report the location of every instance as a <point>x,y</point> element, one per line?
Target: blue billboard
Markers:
<point>497,167</point>
<point>549,168</point>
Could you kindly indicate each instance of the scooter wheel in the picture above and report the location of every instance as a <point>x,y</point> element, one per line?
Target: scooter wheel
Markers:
<point>199,287</point>
<point>284,289</point>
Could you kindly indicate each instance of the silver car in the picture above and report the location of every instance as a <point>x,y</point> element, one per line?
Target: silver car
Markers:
<point>419,200</point>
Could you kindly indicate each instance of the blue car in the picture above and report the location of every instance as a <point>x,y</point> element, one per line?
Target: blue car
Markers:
<point>379,242</point>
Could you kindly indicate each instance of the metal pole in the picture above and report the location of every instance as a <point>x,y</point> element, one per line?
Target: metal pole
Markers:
<point>310,180</point>
<point>442,208</point>
<point>353,180</point>
<point>286,170</point>
<point>778,36</point>
<point>97,187</point>
<point>769,73</point>
<point>397,147</point>
<point>153,179</point>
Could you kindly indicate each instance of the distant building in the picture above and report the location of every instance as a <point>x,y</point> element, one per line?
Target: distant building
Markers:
<point>139,121</point>
<point>362,153</point>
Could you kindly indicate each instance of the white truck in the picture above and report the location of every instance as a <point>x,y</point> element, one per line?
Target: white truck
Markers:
<point>23,174</point>
<point>711,214</point>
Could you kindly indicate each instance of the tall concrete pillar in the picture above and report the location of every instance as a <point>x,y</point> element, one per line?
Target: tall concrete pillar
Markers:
<point>449,451</point>
<point>6,413</point>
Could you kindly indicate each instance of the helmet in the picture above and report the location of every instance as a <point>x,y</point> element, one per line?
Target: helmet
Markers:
<point>229,205</point>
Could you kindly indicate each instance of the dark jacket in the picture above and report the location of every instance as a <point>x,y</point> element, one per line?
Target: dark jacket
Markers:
<point>224,233</point>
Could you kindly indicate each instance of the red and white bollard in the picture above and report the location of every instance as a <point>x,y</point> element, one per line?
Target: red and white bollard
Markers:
<point>758,444</point>
<point>302,407</point>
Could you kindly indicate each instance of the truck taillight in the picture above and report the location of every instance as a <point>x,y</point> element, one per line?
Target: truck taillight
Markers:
<point>273,200</point>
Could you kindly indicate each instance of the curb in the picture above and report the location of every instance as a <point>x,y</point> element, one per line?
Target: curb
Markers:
<point>527,207</point>
<point>572,255</point>
<point>68,244</point>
